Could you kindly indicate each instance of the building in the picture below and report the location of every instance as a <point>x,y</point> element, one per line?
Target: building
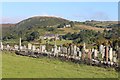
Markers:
<point>50,36</point>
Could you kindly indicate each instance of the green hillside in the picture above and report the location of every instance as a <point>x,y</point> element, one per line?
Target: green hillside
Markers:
<point>15,66</point>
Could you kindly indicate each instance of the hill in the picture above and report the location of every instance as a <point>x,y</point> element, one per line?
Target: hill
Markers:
<point>41,25</point>
<point>15,66</point>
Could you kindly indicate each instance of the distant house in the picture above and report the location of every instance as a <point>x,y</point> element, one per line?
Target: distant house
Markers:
<point>67,26</point>
<point>50,36</point>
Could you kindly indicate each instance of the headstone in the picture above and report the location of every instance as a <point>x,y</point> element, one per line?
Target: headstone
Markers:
<point>16,47</point>
<point>33,48</point>
<point>103,53</point>
<point>114,59</point>
<point>8,46</point>
<point>68,51</point>
<point>1,46</point>
<point>101,48</point>
<point>83,54</point>
<point>24,47</point>
<point>75,50</point>
<point>71,49</point>
<point>64,49</point>
<point>110,54</point>
<point>89,55</point>
<point>106,53</point>
<point>59,50</point>
<point>95,53</point>
<point>52,50</point>
<point>84,46</point>
<point>20,44</point>
<point>37,49</point>
<point>29,46</point>
<point>42,48</point>
<point>55,51</point>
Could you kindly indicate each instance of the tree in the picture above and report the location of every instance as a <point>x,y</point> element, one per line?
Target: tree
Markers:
<point>32,36</point>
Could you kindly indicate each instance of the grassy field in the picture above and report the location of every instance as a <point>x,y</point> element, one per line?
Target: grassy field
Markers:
<point>58,42</point>
<point>15,66</point>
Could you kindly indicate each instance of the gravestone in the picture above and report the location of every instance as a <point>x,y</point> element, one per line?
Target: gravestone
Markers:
<point>89,55</point>
<point>1,46</point>
<point>33,48</point>
<point>83,54</point>
<point>106,53</point>
<point>59,49</point>
<point>103,53</point>
<point>29,46</point>
<point>8,47</point>
<point>71,50</point>
<point>24,47</point>
<point>114,59</point>
<point>55,51</point>
<point>68,51</point>
<point>20,47</point>
<point>101,48</point>
<point>84,46</point>
<point>95,53</point>
<point>75,50</point>
<point>16,47</point>
<point>42,48</point>
<point>65,50</point>
<point>52,50</point>
<point>110,54</point>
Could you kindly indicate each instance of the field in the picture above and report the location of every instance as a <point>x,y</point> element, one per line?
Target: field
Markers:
<point>15,66</point>
<point>86,27</point>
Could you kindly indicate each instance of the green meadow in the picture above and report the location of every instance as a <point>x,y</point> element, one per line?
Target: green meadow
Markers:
<point>15,66</point>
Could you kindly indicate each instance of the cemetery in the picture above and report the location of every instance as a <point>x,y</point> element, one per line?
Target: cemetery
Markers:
<point>105,56</point>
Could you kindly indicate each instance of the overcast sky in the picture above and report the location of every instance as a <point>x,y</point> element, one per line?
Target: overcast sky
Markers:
<point>13,12</point>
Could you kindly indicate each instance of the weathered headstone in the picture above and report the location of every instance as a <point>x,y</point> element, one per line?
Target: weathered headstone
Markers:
<point>16,47</point>
<point>110,54</point>
<point>59,49</point>
<point>103,53</point>
<point>83,54</point>
<point>37,50</point>
<point>106,53</point>
<point>71,50</point>
<point>24,47</point>
<point>65,50</point>
<point>8,46</point>
<point>42,48</point>
<point>89,55</point>
<point>68,51</point>
<point>33,48</point>
<point>95,54</point>
<point>1,46</point>
<point>29,46</point>
<point>75,50</point>
<point>114,59</point>
<point>20,47</point>
<point>52,50</point>
<point>101,48</point>
<point>55,51</point>
<point>84,46</point>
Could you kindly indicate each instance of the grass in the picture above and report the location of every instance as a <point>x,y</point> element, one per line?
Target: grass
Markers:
<point>89,27</point>
<point>58,42</point>
<point>15,66</point>
<point>69,30</point>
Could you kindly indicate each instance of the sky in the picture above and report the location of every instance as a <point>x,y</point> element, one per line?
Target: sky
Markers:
<point>13,12</point>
